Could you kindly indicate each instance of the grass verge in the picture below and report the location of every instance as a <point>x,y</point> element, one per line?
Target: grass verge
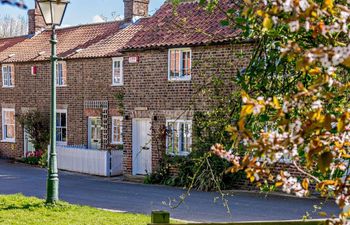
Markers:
<point>18,209</point>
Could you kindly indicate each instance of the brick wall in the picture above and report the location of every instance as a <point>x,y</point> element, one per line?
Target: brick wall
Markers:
<point>87,80</point>
<point>149,94</point>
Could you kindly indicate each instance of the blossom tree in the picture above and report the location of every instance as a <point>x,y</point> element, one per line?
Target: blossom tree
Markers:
<point>306,42</point>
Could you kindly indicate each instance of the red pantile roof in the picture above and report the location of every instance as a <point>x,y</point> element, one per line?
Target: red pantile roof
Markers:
<point>189,25</point>
<point>6,43</point>
<point>70,40</point>
<point>111,45</point>
<point>184,24</point>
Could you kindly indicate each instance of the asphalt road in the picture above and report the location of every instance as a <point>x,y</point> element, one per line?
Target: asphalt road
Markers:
<point>109,193</point>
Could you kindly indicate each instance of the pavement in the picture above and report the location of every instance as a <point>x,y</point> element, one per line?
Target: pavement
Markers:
<point>116,195</point>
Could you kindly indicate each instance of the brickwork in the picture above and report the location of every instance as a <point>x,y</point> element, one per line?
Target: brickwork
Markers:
<point>135,8</point>
<point>147,88</point>
<point>87,80</point>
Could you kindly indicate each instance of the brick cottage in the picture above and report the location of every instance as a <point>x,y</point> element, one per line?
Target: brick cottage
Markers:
<point>120,83</point>
<point>90,72</point>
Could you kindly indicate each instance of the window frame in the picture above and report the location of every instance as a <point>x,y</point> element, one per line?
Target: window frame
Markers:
<point>61,111</point>
<point>64,70</point>
<point>181,77</point>
<point>120,60</point>
<point>120,142</point>
<point>178,121</point>
<point>8,78</point>
<point>3,111</point>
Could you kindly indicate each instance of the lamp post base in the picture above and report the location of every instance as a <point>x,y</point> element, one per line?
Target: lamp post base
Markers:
<point>52,194</point>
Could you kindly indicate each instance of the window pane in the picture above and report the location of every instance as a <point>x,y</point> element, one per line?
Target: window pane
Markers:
<point>10,131</point>
<point>169,138</point>
<point>175,137</point>
<point>63,119</point>
<point>64,135</point>
<point>181,137</point>
<point>187,64</point>
<point>9,76</point>
<point>9,117</point>
<point>116,64</point>
<point>117,130</point>
<point>183,63</point>
<point>58,119</point>
<point>120,127</point>
<point>187,137</point>
<point>114,138</point>
<point>177,63</point>
<point>172,63</point>
<point>58,134</point>
<point>7,79</point>
<point>5,75</point>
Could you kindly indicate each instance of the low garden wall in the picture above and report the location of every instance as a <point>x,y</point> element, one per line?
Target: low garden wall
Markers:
<point>94,162</point>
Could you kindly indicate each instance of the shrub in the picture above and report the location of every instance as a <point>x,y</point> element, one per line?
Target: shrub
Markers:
<point>37,125</point>
<point>38,157</point>
<point>202,172</point>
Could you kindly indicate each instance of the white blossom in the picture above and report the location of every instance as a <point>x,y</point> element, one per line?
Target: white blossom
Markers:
<point>304,4</point>
<point>294,26</point>
<point>316,104</point>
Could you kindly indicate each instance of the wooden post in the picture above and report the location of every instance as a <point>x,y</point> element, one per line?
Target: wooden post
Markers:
<point>160,217</point>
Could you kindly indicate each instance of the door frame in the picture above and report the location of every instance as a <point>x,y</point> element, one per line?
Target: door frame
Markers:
<point>149,132</point>
<point>89,130</point>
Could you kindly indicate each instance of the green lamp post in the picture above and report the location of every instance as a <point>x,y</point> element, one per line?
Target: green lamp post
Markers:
<point>53,12</point>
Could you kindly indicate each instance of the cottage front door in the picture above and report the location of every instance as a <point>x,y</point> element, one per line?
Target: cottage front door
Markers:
<point>141,147</point>
<point>94,133</point>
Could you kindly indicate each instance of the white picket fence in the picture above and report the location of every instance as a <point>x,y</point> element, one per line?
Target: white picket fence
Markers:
<point>89,161</point>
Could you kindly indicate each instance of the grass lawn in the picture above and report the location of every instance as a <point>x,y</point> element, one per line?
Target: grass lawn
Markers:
<point>18,209</point>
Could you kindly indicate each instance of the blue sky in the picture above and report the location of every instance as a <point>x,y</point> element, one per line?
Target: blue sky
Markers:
<point>83,11</point>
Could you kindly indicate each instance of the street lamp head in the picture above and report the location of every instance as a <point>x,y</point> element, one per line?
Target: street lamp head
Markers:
<point>53,11</point>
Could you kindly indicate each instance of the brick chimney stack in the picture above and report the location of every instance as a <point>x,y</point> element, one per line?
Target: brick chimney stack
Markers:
<point>135,9</point>
<point>36,21</point>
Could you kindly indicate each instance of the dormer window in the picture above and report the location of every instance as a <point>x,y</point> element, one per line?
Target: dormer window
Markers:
<point>8,75</point>
<point>180,64</point>
<point>117,72</point>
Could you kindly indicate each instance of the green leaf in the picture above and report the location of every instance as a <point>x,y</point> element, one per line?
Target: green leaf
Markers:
<point>231,11</point>
<point>240,20</point>
<point>264,118</point>
<point>224,23</point>
<point>202,2</point>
